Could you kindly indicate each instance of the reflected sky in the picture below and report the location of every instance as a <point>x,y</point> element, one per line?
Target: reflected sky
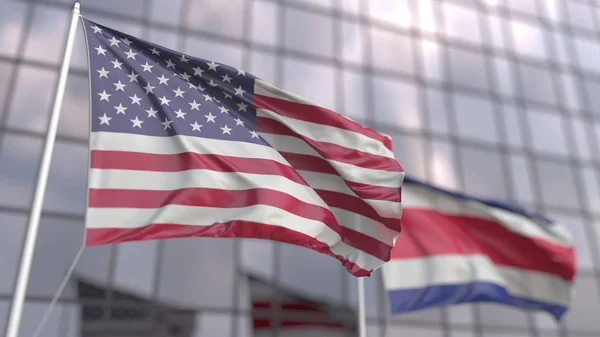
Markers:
<point>436,131</point>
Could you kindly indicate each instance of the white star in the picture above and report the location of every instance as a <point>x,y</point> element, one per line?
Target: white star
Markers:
<point>212,83</point>
<point>192,86</point>
<point>170,64</point>
<point>254,134</point>
<point>120,109</point>
<point>227,95</point>
<point>238,121</point>
<point>207,98</point>
<point>119,86</point>
<point>100,50</point>
<point>194,105</point>
<point>212,66</point>
<point>241,72</point>
<point>103,72</point>
<point>137,122</point>
<point>147,67</point>
<point>180,114</point>
<point>104,96</point>
<point>97,29</point>
<point>239,91</point>
<point>117,64</point>
<point>163,80</point>
<point>226,130</point>
<point>201,88</point>
<point>154,51</point>
<point>114,42</point>
<point>242,106</point>
<point>178,92</point>
<point>130,54</point>
<point>210,117</point>
<point>135,99</point>
<point>184,59</point>
<point>186,76</point>
<point>164,101</point>
<point>196,126</point>
<point>133,77</point>
<point>226,78</point>
<point>127,41</point>
<point>149,89</point>
<point>151,112</point>
<point>104,119</point>
<point>167,123</point>
<point>223,109</point>
<point>198,71</point>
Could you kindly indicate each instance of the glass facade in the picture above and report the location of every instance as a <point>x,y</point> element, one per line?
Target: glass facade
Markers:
<point>497,98</point>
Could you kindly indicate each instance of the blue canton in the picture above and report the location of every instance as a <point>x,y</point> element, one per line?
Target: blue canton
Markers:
<point>142,88</point>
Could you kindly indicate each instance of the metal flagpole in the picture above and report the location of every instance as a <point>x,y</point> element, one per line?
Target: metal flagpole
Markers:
<point>362,316</point>
<point>16,310</point>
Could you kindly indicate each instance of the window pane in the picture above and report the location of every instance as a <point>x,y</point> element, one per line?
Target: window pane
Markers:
<point>537,84</point>
<point>263,65</point>
<point>504,77</point>
<point>316,82</point>
<point>12,228</point>
<point>184,280</point>
<point>12,16</point>
<point>32,315</point>
<point>461,23</point>
<point>427,19</point>
<point>414,331</point>
<point>431,59</point>
<point>212,324</point>
<point>392,51</point>
<point>475,117</point>
<point>135,267</point>
<point>32,114</point>
<point>483,173</point>
<point>461,314</point>
<point>354,96</point>
<point>521,179</point>
<point>67,183</point>
<point>19,162</point>
<point>580,15</point>
<point>528,39</point>
<point>48,35</point>
<point>582,314</point>
<point>443,165</point>
<point>547,132</point>
<point>588,53</point>
<point>264,22</point>
<point>557,185</point>
<point>468,69</point>
<point>591,185</point>
<point>390,110</point>
<point>258,256</point>
<point>437,112</point>
<point>6,70</point>
<point>523,6</point>
<point>392,12</point>
<point>217,16</point>
<point>570,86</point>
<point>317,40</point>
<point>496,30</point>
<point>496,314</point>
<point>427,316</point>
<point>512,125</point>
<point>592,88</point>
<point>320,3</point>
<point>132,8</point>
<point>166,11</point>
<point>411,150</point>
<point>352,42</point>
<point>582,132</point>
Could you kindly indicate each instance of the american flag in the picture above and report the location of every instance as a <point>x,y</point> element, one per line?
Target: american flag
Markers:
<point>186,147</point>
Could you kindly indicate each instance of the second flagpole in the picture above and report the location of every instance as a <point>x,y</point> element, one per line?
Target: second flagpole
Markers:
<point>18,300</point>
<point>362,316</point>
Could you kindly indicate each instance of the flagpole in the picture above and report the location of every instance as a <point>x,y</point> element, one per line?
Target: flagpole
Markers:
<point>16,310</point>
<point>362,316</point>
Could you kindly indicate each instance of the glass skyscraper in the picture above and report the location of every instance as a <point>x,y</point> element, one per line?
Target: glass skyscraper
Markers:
<point>497,98</point>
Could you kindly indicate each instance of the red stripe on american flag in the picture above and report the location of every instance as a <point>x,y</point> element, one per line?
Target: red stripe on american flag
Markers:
<point>210,197</point>
<point>333,151</point>
<point>316,114</point>
<point>231,229</point>
<point>188,161</point>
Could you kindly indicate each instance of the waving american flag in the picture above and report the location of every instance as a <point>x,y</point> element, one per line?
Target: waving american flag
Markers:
<point>186,147</point>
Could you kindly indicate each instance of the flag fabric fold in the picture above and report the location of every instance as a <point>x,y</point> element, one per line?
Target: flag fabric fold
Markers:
<point>186,147</point>
<point>455,248</point>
